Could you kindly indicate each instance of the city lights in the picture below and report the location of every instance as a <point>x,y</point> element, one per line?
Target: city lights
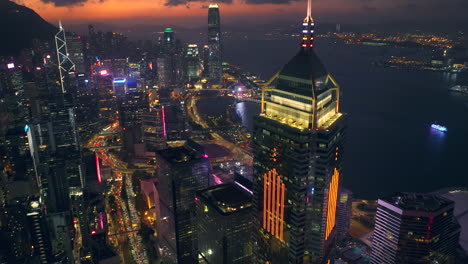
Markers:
<point>289,177</point>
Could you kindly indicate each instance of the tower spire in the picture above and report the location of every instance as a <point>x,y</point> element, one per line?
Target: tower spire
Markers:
<point>308,28</point>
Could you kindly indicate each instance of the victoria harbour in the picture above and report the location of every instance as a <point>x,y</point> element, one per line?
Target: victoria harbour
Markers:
<point>233,132</point>
<point>389,139</point>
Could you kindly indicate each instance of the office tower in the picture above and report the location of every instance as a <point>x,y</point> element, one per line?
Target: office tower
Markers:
<point>414,228</point>
<point>76,52</point>
<point>214,42</point>
<point>64,63</point>
<point>154,134</point>
<point>298,149</point>
<point>343,212</point>
<point>13,224</point>
<point>40,240</point>
<point>107,104</point>
<point>119,67</point>
<point>193,61</point>
<point>55,151</point>
<point>168,40</point>
<point>205,60</point>
<point>14,115</point>
<point>182,172</point>
<point>131,109</point>
<point>164,71</point>
<point>224,217</point>
<point>119,87</point>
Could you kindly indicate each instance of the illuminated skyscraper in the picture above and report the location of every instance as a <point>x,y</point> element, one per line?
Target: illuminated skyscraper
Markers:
<point>169,40</point>
<point>193,61</point>
<point>154,129</point>
<point>215,67</point>
<point>298,148</point>
<point>64,62</point>
<point>75,52</point>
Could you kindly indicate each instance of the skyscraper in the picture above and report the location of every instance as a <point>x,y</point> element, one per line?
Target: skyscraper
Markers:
<point>75,50</point>
<point>193,61</point>
<point>168,40</point>
<point>414,228</point>
<point>298,149</point>
<point>343,212</point>
<point>64,62</point>
<point>215,67</point>
<point>154,136</point>
<point>224,223</point>
<point>182,172</point>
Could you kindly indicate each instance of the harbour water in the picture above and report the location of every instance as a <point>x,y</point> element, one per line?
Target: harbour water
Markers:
<point>390,146</point>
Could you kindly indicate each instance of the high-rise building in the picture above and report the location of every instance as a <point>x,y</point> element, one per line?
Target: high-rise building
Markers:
<point>414,228</point>
<point>215,67</point>
<point>224,220</point>
<point>64,63</point>
<point>168,40</point>
<point>298,152</point>
<point>343,212</point>
<point>38,229</point>
<point>163,66</point>
<point>205,60</point>
<point>131,109</point>
<point>154,134</point>
<point>182,172</point>
<point>104,85</point>
<point>76,52</point>
<point>193,61</point>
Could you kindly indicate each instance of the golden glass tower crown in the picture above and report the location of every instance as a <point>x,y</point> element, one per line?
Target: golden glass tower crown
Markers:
<point>298,148</point>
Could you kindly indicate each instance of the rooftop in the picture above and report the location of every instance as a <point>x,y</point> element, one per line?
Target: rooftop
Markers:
<point>305,65</point>
<point>226,198</point>
<point>190,151</point>
<point>418,202</point>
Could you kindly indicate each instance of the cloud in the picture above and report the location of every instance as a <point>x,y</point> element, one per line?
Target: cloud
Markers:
<point>187,2</point>
<point>260,2</point>
<point>68,2</point>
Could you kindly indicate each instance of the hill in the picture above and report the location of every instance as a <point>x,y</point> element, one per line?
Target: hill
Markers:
<point>19,25</point>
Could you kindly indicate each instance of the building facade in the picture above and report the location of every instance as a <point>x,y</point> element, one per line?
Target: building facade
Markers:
<point>344,212</point>
<point>215,67</point>
<point>414,228</point>
<point>182,172</point>
<point>224,221</point>
<point>298,151</point>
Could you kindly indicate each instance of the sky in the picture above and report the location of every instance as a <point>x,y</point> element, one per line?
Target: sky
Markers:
<point>193,12</point>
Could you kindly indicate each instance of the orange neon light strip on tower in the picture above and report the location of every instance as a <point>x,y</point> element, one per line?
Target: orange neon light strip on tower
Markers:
<point>283,188</point>
<point>273,204</point>
<point>277,206</point>
<point>268,201</point>
<point>332,202</point>
<point>264,199</point>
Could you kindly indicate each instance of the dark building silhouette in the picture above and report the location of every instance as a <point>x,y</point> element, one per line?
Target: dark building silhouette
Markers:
<point>414,228</point>
<point>224,221</point>
<point>182,172</point>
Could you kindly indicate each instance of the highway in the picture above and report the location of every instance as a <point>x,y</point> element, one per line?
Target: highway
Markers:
<point>243,155</point>
<point>122,216</point>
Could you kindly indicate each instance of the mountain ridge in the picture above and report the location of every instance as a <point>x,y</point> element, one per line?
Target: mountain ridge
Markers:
<point>20,25</point>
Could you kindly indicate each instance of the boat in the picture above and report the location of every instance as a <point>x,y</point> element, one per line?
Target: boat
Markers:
<point>439,127</point>
<point>459,88</point>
